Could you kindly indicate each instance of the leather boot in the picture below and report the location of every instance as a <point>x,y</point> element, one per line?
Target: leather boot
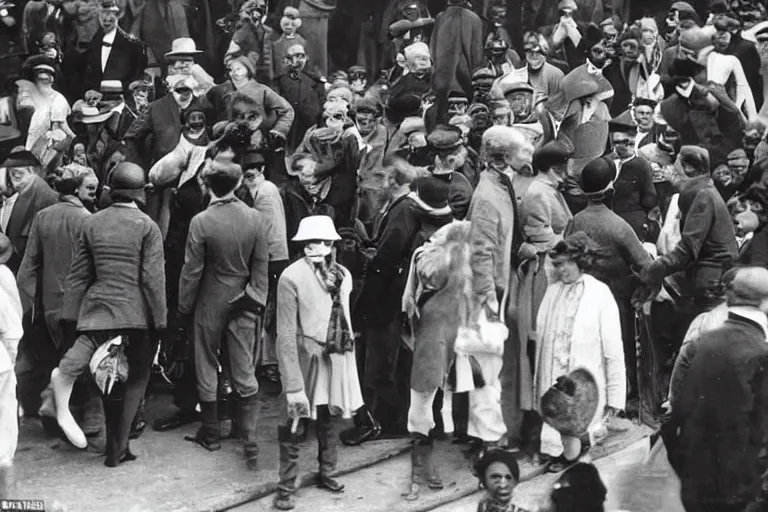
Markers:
<point>228,415</point>
<point>117,447</point>
<point>138,424</point>
<point>207,434</point>
<point>327,452</point>
<point>289,468</point>
<point>247,420</point>
<point>419,465</point>
<point>62,391</point>
<point>434,481</point>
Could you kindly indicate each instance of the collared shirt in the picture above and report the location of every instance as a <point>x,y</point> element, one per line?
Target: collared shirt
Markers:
<point>105,50</point>
<point>592,69</point>
<point>752,314</point>
<point>5,212</point>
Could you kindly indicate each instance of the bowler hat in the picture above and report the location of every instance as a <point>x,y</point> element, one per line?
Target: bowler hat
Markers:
<point>597,176</point>
<point>685,68</point>
<point>570,405</point>
<point>316,227</point>
<point>554,152</point>
<point>444,137</point>
<point>433,191</point>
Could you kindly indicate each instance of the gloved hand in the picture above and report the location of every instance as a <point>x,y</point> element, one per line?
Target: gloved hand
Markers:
<point>298,404</point>
<point>276,141</point>
<point>654,273</point>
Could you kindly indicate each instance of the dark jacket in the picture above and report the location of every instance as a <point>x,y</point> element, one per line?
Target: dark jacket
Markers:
<point>633,192</point>
<point>712,122</point>
<point>126,62</point>
<point>306,94</point>
<point>721,412</point>
<point>299,204</point>
<point>36,196</point>
<point>162,121</point>
<point>619,249</point>
<point>708,245</point>
<point>754,252</point>
<point>746,52</point>
<point>618,74</point>
<point>117,279</point>
<point>457,50</point>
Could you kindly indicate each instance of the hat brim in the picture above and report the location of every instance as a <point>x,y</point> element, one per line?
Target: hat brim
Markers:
<point>306,238</point>
<point>183,54</point>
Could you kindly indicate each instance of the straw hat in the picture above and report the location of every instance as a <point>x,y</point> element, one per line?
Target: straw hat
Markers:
<point>316,227</point>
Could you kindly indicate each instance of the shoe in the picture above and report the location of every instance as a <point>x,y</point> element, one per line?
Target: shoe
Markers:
<point>413,494</point>
<point>366,429</point>
<point>127,457</point>
<point>330,484</point>
<point>137,428</point>
<point>176,420</point>
<point>284,502</point>
<point>207,434</point>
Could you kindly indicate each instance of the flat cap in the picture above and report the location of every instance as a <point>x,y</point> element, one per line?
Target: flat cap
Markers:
<point>695,156</point>
<point>444,137</point>
<point>509,88</point>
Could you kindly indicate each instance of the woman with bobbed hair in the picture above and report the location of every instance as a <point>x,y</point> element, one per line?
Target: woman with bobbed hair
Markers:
<point>53,241</point>
<point>578,326</point>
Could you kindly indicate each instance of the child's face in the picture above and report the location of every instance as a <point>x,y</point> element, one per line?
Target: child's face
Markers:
<point>500,482</point>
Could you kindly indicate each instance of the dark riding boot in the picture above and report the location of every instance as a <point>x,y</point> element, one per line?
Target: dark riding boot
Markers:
<point>117,447</point>
<point>139,424</point>
<point>327,455</point>
<point>289,468</point>
<point>247,420</point>
<point>207,434</point>
<point>420,459</point>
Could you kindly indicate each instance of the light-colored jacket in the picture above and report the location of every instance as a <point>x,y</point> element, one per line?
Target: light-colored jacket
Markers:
<point>269,203</point>
<point>11,330</point>
<point>595,344</point>
<point>303,313</point>
<point>492,214</point>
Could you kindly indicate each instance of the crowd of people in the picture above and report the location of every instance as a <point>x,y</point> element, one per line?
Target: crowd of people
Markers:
<point>517,232</point>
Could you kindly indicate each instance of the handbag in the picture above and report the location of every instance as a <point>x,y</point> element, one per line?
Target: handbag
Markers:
<point>485,337</point>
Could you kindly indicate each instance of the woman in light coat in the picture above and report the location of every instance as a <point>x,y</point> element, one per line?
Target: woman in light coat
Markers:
<point>578,326</point>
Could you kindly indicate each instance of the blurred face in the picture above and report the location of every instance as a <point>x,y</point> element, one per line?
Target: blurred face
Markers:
<point>520,102</point>
<point>649,36</point>
<point>630,49</point>
<point>499,16</point>
<point>182,96</point>
<point>598,55</point>
<point>566,270</point>
<point>305,170</point>
<point>366,122</point>
<point>762,47</point>
<point>288,24</point>
<point>237,72</point>
<point>108,20</point>
<point>644,116</point>
<point>739,171</point>
<point>457,109</point>
<point>17,178</point>
<point>244,113</point>
<point>521,160</point>
<point>500,482</point>
<point>623,144</point>
<point>723,176</point>
<point>297,58</point>
<point>502,118</point>
<point>721,40</point>
<point>534,56</point>
<point>496,52</point>
<point>411,12</point>
<point>751,139</point>
<point>141,96</point>
<point>610,34</point>
<point>44,80</point>
<point>746,217</point>
<point>78,154</point>
<point>181,67</point>
<point>86,192</point>
<point>421,64</point>
<point>679,178</point>
<point>358,82</point>
<point>254,176</point>
<point>196,121</point>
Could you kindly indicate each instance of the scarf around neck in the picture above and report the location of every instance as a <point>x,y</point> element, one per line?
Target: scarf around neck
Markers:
<point>339,338</point>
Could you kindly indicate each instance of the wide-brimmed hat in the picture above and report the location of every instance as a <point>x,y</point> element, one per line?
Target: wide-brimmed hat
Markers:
<point>92,115</point>
<point>316,227</point>
<point>570,405</point>
<point>6,249</point>
<point>183,47</point>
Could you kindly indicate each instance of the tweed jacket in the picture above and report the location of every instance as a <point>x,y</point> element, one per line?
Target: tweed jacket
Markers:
<point>52,245</point>
<point>117,279</point>
<point>492,214</point>
<point>544,214</point>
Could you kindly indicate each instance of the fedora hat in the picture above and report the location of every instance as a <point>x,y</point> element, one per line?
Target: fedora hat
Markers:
<point>92,115</point>
<point>316,227</point>
<point>183,47</point>
<point>570,405</point>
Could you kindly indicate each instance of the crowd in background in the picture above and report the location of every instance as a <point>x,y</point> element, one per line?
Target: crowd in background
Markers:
<point>427,232</point>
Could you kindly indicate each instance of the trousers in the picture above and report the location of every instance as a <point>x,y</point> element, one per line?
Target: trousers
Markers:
<point>327,455</point>
<point>486,421</point>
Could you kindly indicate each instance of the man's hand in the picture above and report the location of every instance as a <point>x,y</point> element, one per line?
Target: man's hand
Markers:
<point>654,273</point>
<point>298,404</point>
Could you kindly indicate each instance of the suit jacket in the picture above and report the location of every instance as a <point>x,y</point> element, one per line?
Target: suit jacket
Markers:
<point>754,252</point>
<point>117,279</point>
<point>163,121</point>
<point>36,196</point>
<point>306,95</point>
<point>221,260</point>
<point>126,61</point>
<point>53,243</point>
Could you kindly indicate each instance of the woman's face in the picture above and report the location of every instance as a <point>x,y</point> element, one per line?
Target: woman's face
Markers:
<point>238,72</point>
<point>499,482</point>
<point>86,192</point>
<point>649,36</point>
<point>566,269</point>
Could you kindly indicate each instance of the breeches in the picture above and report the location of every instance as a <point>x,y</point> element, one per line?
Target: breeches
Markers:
<point>240,337</point>
<point>485,419</point>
